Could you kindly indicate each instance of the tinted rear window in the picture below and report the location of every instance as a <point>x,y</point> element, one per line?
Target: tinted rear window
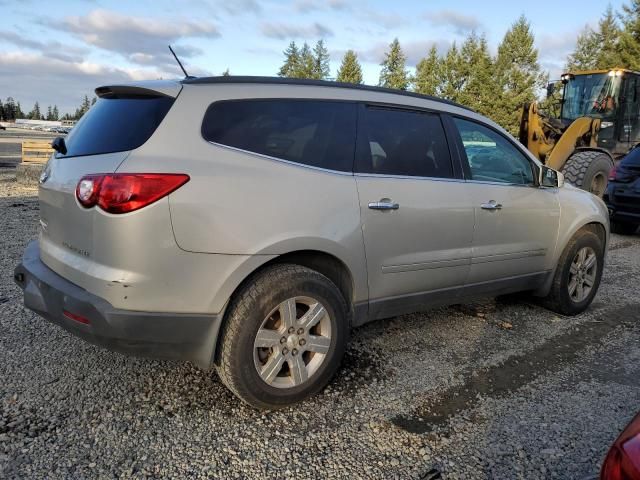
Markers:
<point>401,142</point>
<point>116,125</point>
<point>315,133</point>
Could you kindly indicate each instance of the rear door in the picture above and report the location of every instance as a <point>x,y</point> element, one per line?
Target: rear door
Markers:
<point>516,222</point>
<point>417,221</point>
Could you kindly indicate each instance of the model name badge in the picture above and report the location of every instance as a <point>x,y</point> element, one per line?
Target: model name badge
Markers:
<point>79,251</point>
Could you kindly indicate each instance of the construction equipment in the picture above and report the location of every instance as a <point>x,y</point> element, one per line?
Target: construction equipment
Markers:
<point>598,122</point>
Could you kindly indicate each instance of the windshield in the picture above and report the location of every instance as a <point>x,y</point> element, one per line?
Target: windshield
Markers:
<point>595,95</point>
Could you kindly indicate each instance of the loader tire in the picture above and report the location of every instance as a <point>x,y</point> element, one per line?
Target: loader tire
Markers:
<point>588,170</point>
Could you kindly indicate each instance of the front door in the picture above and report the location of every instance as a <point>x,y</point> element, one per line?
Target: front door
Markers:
<point>516,220</point>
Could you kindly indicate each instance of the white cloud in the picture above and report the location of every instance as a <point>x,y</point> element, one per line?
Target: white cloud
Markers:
<point>287,31</point>
<point>460,22</point>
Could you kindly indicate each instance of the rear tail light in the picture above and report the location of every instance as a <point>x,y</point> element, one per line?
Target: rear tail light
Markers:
<point>613,173</point>
<point>126,192</point>
<point>623,460</point>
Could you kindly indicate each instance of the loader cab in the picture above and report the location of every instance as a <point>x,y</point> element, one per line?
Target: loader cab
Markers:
<point>613,96</point>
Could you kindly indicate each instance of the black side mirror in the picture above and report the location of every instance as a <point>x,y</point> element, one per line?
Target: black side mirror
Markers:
<point>59,146</point>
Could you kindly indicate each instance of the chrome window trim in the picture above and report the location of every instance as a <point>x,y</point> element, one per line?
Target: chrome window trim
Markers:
<point>281,160</point>
<point>408,177</point>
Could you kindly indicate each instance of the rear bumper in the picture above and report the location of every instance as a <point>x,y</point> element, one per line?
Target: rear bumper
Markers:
<point>160,335</point>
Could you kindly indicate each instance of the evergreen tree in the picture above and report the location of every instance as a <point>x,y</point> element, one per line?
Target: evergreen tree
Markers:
<point>291,61</point>
<point>608,40</point>
<point>306,65</point>
<point>477,75</point>
<point>350,70</point>
<point>49,113</point>
<point>18,113</point>
<point>321,69</point>
<point>451,74</point>
<point>428,74</point>
<point>598,49</point>
<point>56,113</point>
<point>2,111</point>
<point>34,114</point>
<point>518,73</point>
<point>226,73</point>
<point>585,54</point>
<point>394,73</point>
<point>629,46</point>
<point>9,109</point>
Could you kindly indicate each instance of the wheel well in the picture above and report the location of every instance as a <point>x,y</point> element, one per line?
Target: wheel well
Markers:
<point>326,264</point>
<point>599,230</point>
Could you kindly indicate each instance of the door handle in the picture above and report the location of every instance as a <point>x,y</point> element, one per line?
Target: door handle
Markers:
<point>491,205</point>
<point>384,204</point>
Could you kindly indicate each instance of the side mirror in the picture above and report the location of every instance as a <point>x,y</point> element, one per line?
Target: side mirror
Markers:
<point>548,177</point>
<point>59,146</point>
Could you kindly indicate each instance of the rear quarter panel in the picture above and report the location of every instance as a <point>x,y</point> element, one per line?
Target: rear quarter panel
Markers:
<point>238,203</point>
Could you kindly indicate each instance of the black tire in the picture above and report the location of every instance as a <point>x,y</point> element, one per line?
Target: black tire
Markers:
<point>558,299</point>
<point>623,228</point>
<point>584,166</point>
<point>245,315</point>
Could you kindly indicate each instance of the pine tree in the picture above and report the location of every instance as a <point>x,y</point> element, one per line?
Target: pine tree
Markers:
<point>56,113</point>
<point>451,74</point>
<point>18,113</point>
<point>518,73</point>
<point>477,75</point>
<point>321,69</point>
<point>10,109</point>
<point>394,73</point>
<point>630,36</point>
<point>226,73</point>
<point>35,112</point>
<point>585,54</point>
<point>428,74</point>
<point>305,68</point>
<point>350,70</point>
<point>2,117</point>
<point>598,49</point>
<point>608,40</point>
<point>49,113</point>
<point>291,61</point>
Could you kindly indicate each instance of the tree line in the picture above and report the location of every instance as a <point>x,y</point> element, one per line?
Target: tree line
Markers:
<point>495,86</point>
<point>11,110</point>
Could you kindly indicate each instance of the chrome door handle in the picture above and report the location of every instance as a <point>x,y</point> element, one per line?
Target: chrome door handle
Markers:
<point>384,204</point>
<point>491,205</point>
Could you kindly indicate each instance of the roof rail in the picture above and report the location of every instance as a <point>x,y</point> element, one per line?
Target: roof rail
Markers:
<point>316,83</point>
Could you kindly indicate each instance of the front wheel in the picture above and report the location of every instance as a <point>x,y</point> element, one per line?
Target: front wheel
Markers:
<point>588,170</point>
<point>284,337</point>
<point>578,274</point>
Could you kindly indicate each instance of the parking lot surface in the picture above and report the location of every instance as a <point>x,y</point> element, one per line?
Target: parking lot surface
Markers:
<point>495,389</point>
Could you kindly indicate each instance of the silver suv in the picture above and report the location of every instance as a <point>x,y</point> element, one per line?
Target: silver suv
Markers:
<point>249,223</point>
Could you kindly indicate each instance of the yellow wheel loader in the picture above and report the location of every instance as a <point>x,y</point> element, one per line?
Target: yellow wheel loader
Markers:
<point>599,122</point>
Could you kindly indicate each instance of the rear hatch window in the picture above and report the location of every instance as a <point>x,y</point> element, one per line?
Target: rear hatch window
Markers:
<point>117,124</point>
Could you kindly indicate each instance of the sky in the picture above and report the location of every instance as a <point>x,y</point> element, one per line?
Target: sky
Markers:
<point>57,52</point>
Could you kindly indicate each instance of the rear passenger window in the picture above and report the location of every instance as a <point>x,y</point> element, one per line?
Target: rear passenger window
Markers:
<point>315,133</point>
<point>400,142</point>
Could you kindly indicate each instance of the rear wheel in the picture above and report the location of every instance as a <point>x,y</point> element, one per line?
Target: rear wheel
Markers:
<point>588,170</point>
<point>283,338</point>
<point>578,274</point>
<point>623,228</point>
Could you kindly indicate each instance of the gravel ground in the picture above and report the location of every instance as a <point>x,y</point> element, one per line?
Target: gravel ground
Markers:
<point>498,389</point>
